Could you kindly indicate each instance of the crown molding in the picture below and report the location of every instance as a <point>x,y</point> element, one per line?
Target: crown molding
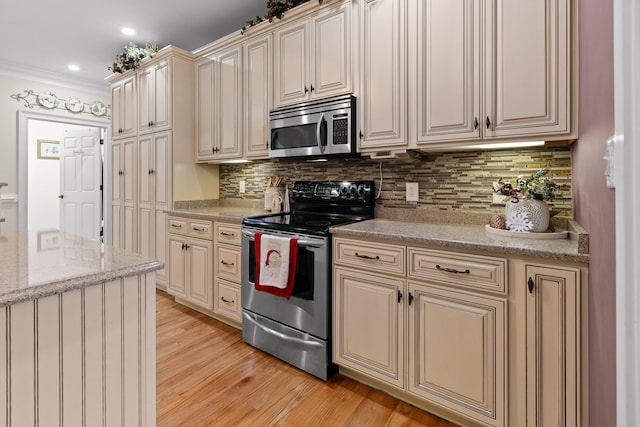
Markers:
<point>24,72</point>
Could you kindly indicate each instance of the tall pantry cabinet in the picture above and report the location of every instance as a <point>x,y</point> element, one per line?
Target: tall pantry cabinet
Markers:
<point>152,157</point>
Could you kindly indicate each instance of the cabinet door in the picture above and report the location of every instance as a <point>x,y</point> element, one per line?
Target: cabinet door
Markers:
<point>117,179</point>
<point>129,194</point>
<point>145,196</point>
<point>257,95</point>
<point>383,111</point>
<point>553,346</point>
<point>448,70</point>
<point>145,99</point>
<point>457,351</point>
<point>369,324</point>
<point>161,119</point>
<point>204,109</point>
<point>177,266</point>
<point>199,272</point>
<point>291,53</point>
<point>116,110</point>
<point>228,100</point>
<point>162,195</point>
<point>331,53</point>
<point>123,97</point>
<point>527,48</point>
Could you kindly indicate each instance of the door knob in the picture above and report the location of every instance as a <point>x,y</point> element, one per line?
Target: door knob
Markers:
<point>61,196</point>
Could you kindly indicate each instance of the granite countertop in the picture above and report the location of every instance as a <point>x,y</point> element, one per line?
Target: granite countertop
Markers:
<point>38,264</point>
<point>232,214</point>
<point>471,237</point>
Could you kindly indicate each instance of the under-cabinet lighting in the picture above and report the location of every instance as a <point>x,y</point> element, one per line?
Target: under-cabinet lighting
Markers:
<point>73,67</point>
<point>128,31</point>
<point>509,145</point>
<point>237,161</point>
<point>318,160</point>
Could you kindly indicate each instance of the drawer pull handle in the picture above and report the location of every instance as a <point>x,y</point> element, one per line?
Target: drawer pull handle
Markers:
<point>224,233</point>
<point>452,270</point>
<point>176,225</point>
<point>198,229</point>
<point>223,262</point>
<point>377,258</point>
<point>227,301</point>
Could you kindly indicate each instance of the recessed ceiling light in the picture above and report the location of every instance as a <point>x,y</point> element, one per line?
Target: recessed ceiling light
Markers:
<point>73,67</point>
<point>128,31</point>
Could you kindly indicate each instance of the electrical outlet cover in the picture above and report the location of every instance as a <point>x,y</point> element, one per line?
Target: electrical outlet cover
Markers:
<point>412,192</point>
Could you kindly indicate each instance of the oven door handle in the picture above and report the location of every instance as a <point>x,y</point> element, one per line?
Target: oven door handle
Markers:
<point>280,335</point>
<point>251,238</point>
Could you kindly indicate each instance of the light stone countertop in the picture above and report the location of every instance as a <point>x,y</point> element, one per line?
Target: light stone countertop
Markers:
<point>38,264</point>
<point>231,214</point>
<point>470,237</point>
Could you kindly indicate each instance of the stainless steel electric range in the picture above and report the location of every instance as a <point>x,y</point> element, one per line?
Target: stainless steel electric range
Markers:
<point>298,330</point>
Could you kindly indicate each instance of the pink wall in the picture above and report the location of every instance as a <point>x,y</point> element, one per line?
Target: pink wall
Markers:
<point>594,203</point>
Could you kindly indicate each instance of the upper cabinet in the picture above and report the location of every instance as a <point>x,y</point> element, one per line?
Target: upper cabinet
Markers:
<point>383,91</point>
<point>313,56</point>
<point>258,78</point>
<point>154,107</point>
<point>492,69</point>
<point>219,105</point>
<point>123,100</point>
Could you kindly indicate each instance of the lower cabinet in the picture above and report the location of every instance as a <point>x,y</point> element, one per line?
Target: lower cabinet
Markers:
<point>479,339</point>
<point>204,266</point>
<point>190,266</point>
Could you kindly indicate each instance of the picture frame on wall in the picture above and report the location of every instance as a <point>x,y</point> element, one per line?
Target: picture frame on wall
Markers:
<point>48,149</point>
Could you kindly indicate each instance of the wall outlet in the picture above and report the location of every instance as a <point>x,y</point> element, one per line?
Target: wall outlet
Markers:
<point>498,199</point>
<point>412,191</point>
<point>242,187</point>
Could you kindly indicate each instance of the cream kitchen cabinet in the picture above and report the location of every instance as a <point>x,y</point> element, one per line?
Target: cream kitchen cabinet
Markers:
<point>547,350</point>
<point>258,90</point>
<point>313,56</point>
<point>227,283</point>
<point>123,110</point>
<point>154,194</point>
<point>383,77</point>
<point>124,194</point>
<point>154,98</point>
<point>190,262</point>
<point>493,69</point>
<point>219,105</point>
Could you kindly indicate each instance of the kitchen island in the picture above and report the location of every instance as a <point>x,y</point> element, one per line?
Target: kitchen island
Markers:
<point>77,332</point>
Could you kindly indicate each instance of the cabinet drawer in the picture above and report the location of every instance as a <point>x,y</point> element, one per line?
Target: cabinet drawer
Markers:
<point>177,226</point>
<point>201,229</point>
<point>471,271</point>
<point>370,255</point>
<point>227,260</point>
<point>227,233</point>
<point>227,302</point>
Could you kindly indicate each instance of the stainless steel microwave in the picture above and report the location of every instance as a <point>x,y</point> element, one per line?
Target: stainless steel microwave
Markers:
<point>323,128</point>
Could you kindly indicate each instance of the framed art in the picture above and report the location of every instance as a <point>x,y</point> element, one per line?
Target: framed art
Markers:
<point>48,149</point>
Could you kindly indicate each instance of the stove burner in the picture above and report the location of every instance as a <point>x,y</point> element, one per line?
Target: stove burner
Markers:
<point>318,223</point>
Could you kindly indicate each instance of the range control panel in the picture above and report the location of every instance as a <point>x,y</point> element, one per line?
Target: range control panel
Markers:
<point>335,190</point>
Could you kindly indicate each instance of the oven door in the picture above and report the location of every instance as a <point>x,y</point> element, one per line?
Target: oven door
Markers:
<point>308,308</point>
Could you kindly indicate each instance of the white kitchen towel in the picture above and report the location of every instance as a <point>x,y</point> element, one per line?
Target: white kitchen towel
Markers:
<point>275,264</point>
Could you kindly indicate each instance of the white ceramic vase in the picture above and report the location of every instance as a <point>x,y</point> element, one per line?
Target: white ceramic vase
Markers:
<point>527,215</point>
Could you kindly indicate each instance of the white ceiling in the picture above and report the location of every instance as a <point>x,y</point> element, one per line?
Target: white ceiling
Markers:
<point>42,37</point>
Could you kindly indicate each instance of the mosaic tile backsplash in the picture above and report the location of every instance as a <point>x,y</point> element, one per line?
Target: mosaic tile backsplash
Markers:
<point>455,181</point>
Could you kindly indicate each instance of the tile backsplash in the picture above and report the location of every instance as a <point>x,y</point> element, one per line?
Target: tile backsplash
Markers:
<point>460,182</point>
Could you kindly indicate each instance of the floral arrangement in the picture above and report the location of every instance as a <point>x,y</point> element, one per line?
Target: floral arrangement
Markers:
<point>537,186</point>
<point>131,56</point>
<point>275,9</point>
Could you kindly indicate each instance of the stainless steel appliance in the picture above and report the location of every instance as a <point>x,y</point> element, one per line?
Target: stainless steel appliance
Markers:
<point>318,129</point>
<point>298,330</point>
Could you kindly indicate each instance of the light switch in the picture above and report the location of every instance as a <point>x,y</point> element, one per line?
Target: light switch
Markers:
<point>242,187</point>
<point>412,192</point>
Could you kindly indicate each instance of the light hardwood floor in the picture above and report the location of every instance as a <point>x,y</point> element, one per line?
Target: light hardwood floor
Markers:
<point>206,376</point>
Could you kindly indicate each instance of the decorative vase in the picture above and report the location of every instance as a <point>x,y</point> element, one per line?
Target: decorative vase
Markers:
<point>527,215</point>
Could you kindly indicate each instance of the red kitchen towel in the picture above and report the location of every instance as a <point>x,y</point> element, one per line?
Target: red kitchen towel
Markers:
<point>276,260</point>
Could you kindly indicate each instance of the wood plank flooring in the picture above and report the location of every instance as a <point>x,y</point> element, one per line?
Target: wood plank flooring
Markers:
<point>206,376</point>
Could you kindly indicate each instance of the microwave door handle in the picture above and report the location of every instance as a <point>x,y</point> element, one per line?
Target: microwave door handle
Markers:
<point>321,144</point>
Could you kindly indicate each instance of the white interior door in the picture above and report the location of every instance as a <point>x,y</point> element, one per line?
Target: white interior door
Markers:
<point>80,180</point>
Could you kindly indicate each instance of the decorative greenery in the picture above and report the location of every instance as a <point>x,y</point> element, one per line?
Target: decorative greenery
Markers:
<point>131,56</point>
<point>275,9</point>
<point>536,186</point>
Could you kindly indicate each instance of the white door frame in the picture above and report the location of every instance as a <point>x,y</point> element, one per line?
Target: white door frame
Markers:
<point>626,21</point>
<point>23,139</point>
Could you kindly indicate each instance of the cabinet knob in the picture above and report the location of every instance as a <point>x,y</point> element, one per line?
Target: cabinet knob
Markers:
<point>399,296</point>
<point>306,90</point>
<point>120,172</point>
<point>475,124</point>
<point>312,88</point>
<point>361,135</point>
<point>530,284</point>
<point>488,121</point>
<point>410,298</point>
